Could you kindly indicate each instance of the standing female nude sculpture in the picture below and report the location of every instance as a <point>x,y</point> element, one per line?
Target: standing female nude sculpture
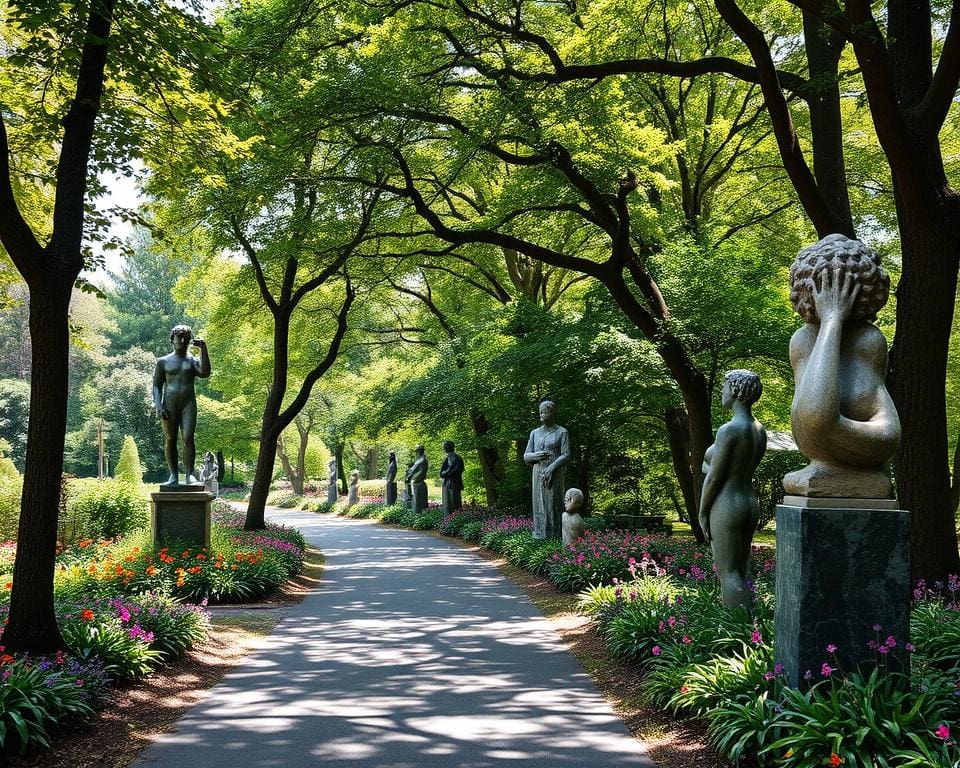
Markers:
<point>729,510</point>
<point>548,449</point>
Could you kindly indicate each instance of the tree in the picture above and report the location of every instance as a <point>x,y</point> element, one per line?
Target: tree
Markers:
<point>910,71</point>
<point>67,47</point>
<point>128,466</point>
<point>14,415</point>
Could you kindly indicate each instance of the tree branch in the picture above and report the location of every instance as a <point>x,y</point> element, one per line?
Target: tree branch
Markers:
<point>15,234</point>
<point>257,267</point>
<point>936,103</point>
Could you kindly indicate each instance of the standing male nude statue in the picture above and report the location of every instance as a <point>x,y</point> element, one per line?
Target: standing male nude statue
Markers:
<point>176,401</point>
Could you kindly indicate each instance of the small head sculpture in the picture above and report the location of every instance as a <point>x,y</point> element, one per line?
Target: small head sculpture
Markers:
<point>393,456</point>
<point>418,450</point>
<point>181,331</point>
<point>548,409</point>
<point>742,385</point>
<point>355,477</point>
<point>844,256</point>
<point>573,500</point>
<point>448,446</point>
<point>332,463</point>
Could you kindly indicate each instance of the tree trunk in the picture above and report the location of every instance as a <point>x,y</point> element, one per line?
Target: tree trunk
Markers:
<point>489,457</point>
<point>678,434</point>
<point>32,624</point>
<point>918,367</point>
<point>294,474</point>
<point>955,480</point>
<point>263,474</point>
<point>373,462</point>
<point>221,466</point>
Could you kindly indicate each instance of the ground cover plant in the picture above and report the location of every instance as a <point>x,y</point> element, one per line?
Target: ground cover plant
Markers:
<point>656,601</point>
<point>124,608</point>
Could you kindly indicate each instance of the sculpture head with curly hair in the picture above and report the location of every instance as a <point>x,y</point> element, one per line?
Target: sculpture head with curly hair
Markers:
<point>743,385</point>
<point>844,256</point>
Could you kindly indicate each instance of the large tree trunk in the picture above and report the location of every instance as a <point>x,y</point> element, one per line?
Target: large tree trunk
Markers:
<point>678,434</point>
<point>955,479</point>
<point>33,624</point>
<point>294,474</point>
<point>918,366</point>
<point>263,474</point>
<point>489,457</point>
<point>373,462</point>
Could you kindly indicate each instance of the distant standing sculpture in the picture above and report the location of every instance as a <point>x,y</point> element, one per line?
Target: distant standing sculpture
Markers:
<point>176,401</point>
<point>209,473</point>
<point>548,449</point>
<point>416,477</point>
<point>729,510</point>
<point>332,481</point>
<point>451,473</point>
<point>354,490</point>
<point>573,526</point>
<point>390,491</point>
<point>843,418</point>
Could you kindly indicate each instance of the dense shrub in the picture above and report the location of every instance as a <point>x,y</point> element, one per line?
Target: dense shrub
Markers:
<point>39,694</point>
<point>128,467</point>
<point>284,499</point>
<point>105,508</point>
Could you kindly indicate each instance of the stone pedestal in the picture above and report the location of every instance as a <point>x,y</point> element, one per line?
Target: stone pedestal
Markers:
<point>181,513</point>
<point>390,494</point>
<point>840,571</point>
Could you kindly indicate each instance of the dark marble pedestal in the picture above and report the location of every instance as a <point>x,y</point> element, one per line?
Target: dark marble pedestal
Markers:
<point>181,513</point>
<point>840,571</point>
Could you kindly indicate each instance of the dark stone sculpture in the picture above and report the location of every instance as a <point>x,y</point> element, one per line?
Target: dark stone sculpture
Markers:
<point>176,401</point>
<point>390,490</point>
<point>416,477</point>
<point>332,481</point>
<point>729,510</point>
<point>451,473</point>
<point>548,449</point>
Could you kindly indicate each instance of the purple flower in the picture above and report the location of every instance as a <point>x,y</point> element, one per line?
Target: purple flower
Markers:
<point>826,670</point>
<point>831,648</point>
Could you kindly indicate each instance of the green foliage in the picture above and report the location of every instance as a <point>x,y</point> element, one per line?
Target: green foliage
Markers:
<point>104,637</point>
<point>105,508</point>
<point>14,415</point>
<point>863,718</point>
<point>11,489</point>
<point>285,499</point>
<point>768,481</point>
<point>128,467</point>
<point>34,698</point>
<point>428,520</point>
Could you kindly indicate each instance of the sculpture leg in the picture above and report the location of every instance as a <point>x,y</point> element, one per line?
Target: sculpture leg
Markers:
<point>189,427</point>
<point>170,427</point>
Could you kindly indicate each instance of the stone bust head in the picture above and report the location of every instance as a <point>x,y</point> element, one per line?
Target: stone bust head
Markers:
<point>181,330</point>
<point>448,446</point>
<point>573,501</point>
<point>844,256</point>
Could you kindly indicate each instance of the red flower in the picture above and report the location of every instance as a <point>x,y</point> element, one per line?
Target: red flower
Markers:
<point>943,731</point>
<point>835,759</point>
<point>87,615</point>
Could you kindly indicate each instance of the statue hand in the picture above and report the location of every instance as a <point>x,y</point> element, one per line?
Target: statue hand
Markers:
<point>199,343</point>
<point>546,479</point>
<point>163,413</point>
<point>835,298</point>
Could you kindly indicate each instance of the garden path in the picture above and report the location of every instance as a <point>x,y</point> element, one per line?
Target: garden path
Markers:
<point>414,653</point>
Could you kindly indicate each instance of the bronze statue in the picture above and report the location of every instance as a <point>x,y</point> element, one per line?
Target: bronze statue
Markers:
<point>729,510</point>
<point>416,478</point>
<point>451,473</point>
<point>176,400</point>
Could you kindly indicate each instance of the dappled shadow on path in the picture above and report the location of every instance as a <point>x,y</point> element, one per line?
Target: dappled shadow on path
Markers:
<point>413,654</point>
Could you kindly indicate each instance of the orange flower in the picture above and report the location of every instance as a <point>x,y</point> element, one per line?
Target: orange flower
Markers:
<point>87,615</point>
<point>85,543</point>
<point>6,658</point>
<point>201,556</point>
<point>8,585</point>
<point>835,759</point>
<point>151,571</point>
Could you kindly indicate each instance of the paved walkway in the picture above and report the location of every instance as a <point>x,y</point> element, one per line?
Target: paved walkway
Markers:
<point>413,654</point>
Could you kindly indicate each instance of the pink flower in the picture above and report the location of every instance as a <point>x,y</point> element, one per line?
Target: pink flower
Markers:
<point>891,642</point>
<point>755,637</point>
<point>687,640</point>
<point>826,670</point>
<point>831,648</point>
<point>943,731</point>
<point>656,651</point>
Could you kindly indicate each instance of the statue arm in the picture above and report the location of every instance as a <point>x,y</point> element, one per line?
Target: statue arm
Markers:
<point>159,379</point>
<point>564,456</point>
<point>203,369</point>
<point>530,455</point>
